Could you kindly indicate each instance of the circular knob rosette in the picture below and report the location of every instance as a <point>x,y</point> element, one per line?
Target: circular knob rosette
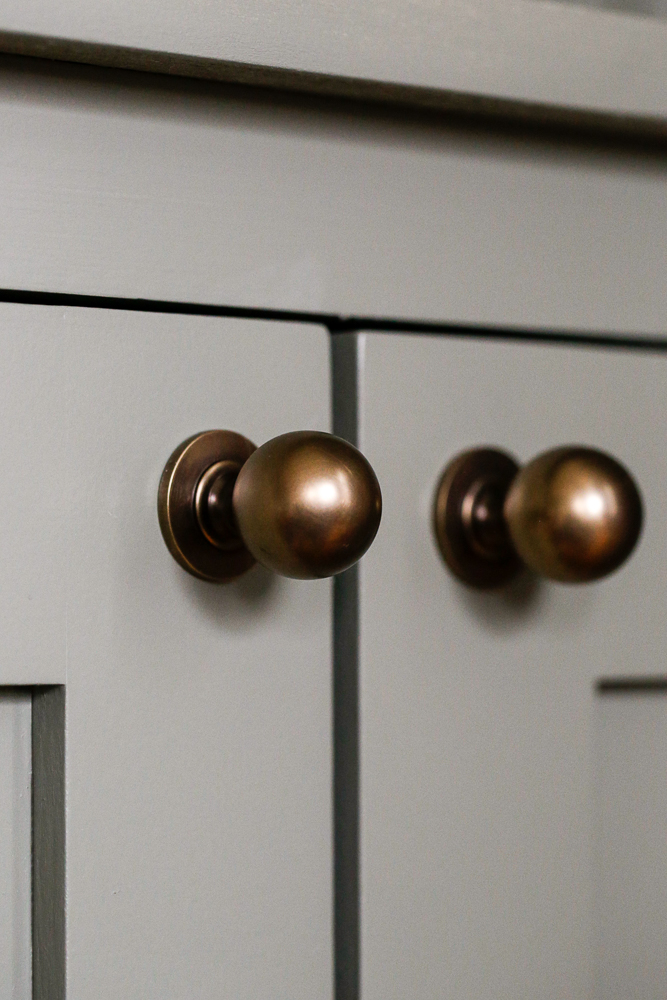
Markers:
<point>572,514</point>
<point>306,505</point>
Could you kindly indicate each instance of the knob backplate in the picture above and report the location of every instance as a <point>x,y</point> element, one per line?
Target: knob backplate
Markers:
<point>209,455</point>
<point>468,518</point>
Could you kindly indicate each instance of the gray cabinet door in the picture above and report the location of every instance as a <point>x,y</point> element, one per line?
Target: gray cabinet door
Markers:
<point>197,740</point>
<point>133,188</point>
<point>512,745</point>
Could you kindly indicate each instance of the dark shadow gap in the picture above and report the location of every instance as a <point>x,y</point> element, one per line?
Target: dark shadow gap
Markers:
<point>48,843</point>
<point>337,324</point>
<point>631,685</point>
<point>346,709</point>
<point>75,58</point>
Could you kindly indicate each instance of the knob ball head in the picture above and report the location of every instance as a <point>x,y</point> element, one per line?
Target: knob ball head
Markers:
<point>574,514</point>
<point>307,504</point>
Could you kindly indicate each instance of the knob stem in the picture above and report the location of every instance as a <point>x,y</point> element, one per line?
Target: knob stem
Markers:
<point>214,507</point>
<point>482,513</point>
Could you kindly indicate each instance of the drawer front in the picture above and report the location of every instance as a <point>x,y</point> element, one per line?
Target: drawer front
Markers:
<point>197,739</point>
<point>513,743</point>
<point>141,187</point>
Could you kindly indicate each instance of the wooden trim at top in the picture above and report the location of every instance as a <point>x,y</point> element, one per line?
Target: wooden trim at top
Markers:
<point>484,108</point>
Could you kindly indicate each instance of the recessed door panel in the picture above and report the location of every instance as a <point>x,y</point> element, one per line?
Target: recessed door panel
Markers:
<point>481,770</point>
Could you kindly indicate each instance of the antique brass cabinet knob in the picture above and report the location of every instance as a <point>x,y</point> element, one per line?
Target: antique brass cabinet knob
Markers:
<point>572,514</point>
<point>305,504</point>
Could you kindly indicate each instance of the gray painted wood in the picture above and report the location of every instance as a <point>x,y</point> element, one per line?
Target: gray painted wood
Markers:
<point>481,745</point>
<point>630,761</point>
<point>33,530</point>
<point>123,185</point>
<point>15,763</point>
<point>552,53</point>
<point>198,740</point>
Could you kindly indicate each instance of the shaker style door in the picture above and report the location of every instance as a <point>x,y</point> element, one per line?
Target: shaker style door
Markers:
<point>512,744</point>
<point>197,717</point>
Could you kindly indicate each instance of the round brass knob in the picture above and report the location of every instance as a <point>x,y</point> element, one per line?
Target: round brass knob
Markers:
<point>573,514</point>
<point>306,505</point>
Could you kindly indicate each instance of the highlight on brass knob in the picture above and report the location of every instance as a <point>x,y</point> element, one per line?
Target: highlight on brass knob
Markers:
<point>573,514</point>
<point>306,505</point>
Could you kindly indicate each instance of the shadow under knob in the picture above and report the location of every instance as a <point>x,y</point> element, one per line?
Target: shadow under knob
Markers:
<point>306,505</point>
<point>573,514</point>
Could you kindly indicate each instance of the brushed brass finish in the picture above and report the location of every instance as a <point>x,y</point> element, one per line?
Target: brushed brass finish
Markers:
<point>305,504</point>
<point>180,506</point>
<point>573,514</point>
<point>468,518</point>
<point>213,504</point>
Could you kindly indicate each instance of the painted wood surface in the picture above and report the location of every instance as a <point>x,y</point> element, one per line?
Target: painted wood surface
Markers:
<point>117,185</point>
<point>198,717</point>
<point>490,785</point>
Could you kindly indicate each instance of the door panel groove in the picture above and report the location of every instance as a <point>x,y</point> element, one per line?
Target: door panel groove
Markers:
<point>345,379</point>
<point>48,843</point>
<point>631,685</point>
